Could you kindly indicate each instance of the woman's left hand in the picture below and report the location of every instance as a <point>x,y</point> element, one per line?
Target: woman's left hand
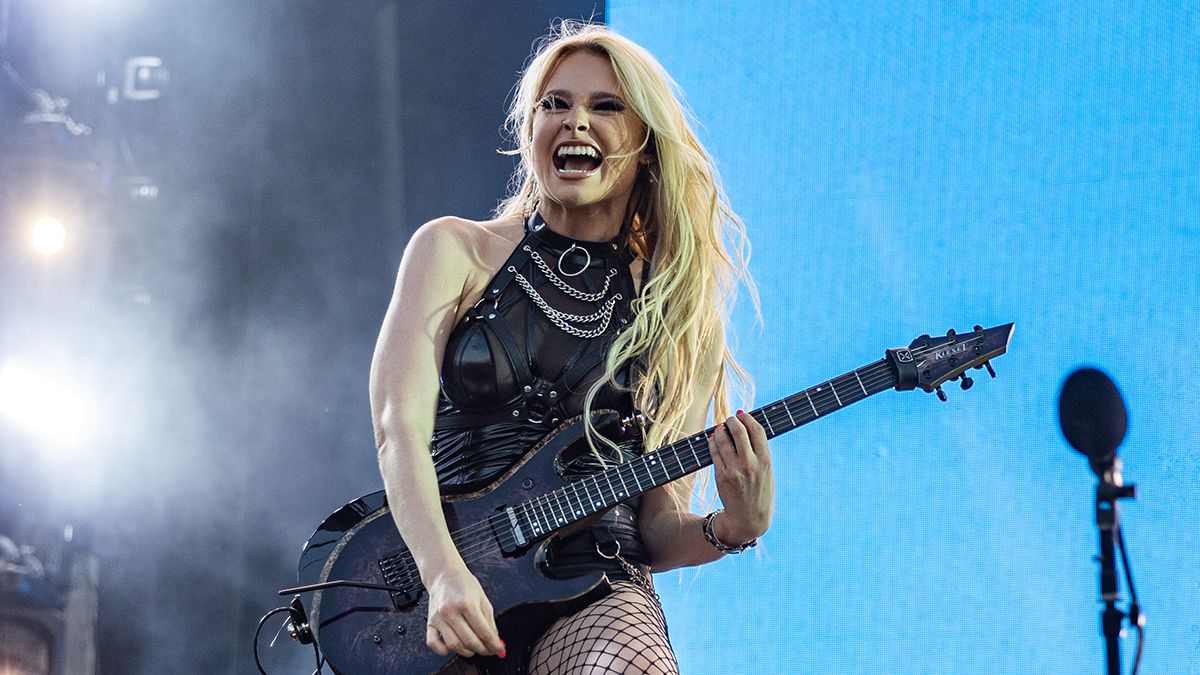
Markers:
<point>745,483</point>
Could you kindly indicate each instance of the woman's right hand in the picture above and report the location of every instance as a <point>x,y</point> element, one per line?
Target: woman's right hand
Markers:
<point>461,618</point>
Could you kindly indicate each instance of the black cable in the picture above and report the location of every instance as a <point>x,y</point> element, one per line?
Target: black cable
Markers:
<point>317,655</point>
<point>258,632</point>
<point>1135,612</point>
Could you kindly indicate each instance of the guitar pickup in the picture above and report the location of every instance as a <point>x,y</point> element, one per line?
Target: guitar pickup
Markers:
<point>509,534</point>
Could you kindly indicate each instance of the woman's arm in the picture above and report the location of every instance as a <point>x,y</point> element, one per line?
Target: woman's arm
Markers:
<point>742,465</point>
<point>405,380</point>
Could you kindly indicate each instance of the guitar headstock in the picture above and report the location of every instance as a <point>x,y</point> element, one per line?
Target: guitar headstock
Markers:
<point>929,362</point>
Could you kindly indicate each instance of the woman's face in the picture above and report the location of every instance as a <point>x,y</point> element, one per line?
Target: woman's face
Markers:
<point>579,124</point>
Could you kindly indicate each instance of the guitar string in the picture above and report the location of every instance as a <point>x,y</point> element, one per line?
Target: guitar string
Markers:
<point>478,537</point>
<point>472,537</point>
<point>469,549</point>
<point>770,413</point>
<point>546,503</point>
<point>481,532</point>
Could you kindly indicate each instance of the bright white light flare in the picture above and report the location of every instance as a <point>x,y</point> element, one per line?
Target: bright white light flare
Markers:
<point>49,236</point>
<point>41,406</point>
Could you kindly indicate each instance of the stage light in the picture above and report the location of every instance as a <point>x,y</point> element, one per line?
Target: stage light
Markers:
<point>49,236</point>
<point>48,409</point>
<point>145,77</point>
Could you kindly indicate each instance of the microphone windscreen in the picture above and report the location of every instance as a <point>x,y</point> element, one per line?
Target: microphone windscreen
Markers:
<point>1092,414</point>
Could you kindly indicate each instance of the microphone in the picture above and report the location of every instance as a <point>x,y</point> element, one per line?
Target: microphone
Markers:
<point>1092,415</point>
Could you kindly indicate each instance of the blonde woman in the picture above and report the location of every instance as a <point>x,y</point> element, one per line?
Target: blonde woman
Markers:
<point>601,284</point>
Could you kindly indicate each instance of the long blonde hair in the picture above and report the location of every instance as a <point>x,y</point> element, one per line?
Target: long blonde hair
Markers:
<point>679,219</point>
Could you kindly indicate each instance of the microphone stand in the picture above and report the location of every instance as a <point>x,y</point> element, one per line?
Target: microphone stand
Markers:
<point>1109,491</point>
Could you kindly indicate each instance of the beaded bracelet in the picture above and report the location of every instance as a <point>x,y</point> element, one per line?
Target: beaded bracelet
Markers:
<point>712,536</point>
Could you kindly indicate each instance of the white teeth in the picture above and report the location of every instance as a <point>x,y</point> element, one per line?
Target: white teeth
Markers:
<point>584,150</point>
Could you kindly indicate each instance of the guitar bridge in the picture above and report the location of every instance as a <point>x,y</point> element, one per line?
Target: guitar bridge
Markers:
<point>399,571</point>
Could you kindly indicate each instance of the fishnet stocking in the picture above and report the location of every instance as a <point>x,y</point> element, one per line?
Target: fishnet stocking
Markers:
<point>623,633</point>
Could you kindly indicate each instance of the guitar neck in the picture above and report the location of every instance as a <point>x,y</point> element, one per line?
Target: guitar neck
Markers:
<point>602,491</point>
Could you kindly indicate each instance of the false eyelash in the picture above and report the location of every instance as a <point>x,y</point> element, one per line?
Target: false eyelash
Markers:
<point>610,106</point>
<point>552,103</point>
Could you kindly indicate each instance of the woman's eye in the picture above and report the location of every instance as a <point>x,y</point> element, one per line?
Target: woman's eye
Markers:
<point>610,106</point>
<point>553,103</point>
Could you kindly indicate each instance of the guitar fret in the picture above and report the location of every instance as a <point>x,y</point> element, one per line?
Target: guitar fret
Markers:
<point>645,461</point>
<point>788,409</point>
<point>535,525</point>
<point>826,406</point>
<point>562,516</point>
<point>860,383</point>
<point>633,470</point>
<point>598,499</point>
<point>623,485</point>
<point>579,509</point>
<point>694,455</point>
<point>679,461</point>
<point>835,394</point>
<point>767,419</point>
<point>652,461</point>
<point>814,405</point>
<point>582,496</point>
<point>529,520</point>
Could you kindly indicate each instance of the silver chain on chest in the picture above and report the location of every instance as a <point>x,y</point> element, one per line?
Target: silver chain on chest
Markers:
<point>569,323</point>
<point>568,288</point>
<point>565,320</point>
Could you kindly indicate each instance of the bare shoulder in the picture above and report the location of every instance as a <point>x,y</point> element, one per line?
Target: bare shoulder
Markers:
<point>462,254</point>
<point>473,239</point>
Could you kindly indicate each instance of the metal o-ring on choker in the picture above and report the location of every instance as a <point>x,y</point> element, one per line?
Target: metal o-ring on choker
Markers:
<point>581,269</point>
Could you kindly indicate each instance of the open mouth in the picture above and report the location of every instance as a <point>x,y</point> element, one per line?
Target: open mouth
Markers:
<point>577,160</point>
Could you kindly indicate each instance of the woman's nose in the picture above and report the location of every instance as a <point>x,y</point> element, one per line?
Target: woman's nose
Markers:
<point>576,120</point>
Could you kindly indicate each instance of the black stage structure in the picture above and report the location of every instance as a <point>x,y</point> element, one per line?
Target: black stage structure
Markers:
<point>237,183</point>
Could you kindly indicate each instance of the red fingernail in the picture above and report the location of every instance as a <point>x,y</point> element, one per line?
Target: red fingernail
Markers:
<point>741,411</point>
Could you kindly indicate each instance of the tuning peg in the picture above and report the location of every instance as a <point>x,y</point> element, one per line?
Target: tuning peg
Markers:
<point>965,382</point>
<point>988,365</point>
<point>940,394</point>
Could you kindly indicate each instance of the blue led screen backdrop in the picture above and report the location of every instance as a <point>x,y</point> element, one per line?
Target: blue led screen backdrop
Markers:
<point>905,168</point>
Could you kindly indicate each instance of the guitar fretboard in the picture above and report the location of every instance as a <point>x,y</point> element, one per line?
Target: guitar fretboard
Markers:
<point>602,491</point>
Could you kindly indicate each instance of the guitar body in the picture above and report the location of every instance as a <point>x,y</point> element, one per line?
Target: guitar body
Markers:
<point>503,528</point>
<point>362,630</point>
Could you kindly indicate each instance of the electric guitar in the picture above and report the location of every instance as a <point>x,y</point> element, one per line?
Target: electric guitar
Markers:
<point>368,610</point>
